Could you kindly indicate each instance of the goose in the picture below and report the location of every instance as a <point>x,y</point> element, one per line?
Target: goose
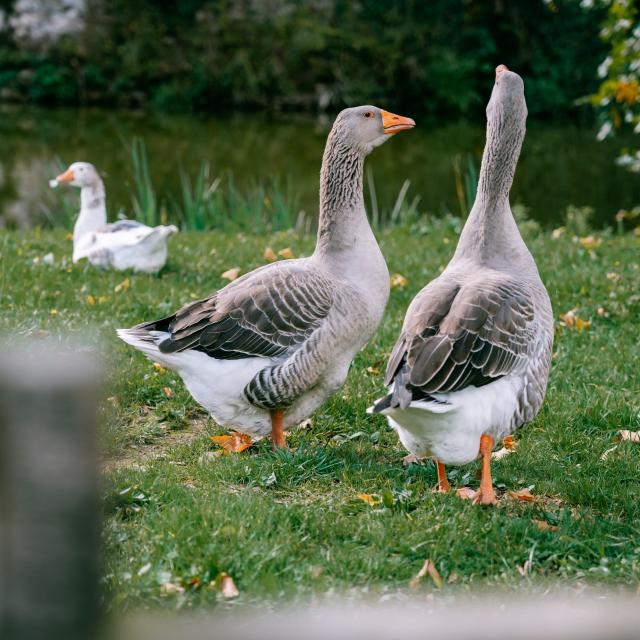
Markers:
<point>126,244</point>
<point>261,354</point>
<point>472,360</point>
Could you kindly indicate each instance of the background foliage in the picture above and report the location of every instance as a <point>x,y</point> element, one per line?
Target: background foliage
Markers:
<point>314,55</point>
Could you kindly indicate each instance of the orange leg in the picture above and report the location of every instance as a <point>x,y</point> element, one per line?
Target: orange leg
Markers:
<point>486,494</point>
<point>443,481</point>
<point>277,433</point>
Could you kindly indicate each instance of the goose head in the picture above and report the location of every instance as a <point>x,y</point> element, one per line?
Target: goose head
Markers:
<point>507,108</point>
<point>79,174</point>
<point>367,127</point>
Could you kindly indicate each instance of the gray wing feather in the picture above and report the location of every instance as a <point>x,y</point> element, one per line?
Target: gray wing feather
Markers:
<point>460,334</point>
<point>266,313</point>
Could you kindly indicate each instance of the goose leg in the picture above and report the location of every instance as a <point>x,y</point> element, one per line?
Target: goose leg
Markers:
<point>443,481</point>
<point>486,494</point>
<point>277,433</point>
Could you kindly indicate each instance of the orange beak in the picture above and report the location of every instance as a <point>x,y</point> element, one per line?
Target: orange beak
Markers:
<point>392,123</point>
<point>67,176</point>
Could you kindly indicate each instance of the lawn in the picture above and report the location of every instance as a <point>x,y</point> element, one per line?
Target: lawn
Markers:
<point>291,524</point>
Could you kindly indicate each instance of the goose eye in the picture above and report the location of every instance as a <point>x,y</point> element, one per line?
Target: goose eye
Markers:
<point>368,114</point>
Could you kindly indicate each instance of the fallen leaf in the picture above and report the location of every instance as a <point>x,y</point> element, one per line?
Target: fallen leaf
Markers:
<point>374,371</point>
<point>398,280</point>
<point>53,312</point>
<point>234,442</point>
<point>69,236</point>
<point>556,233</point>
<point>170,587</point>
<point>412,458</point>
<point>613,276</point>
<point>231,274</point>
<point>372,499</point>
<point>522,495</point>
<point>466,493</point>
<point>227,586</point>
<point>91,300</point>
<point>123,286</point>
<point>270,255</point>
<point>168,392</point>
<point>590,242</point>
<point>605,456</point>
<point>630,436</point>
<point>543,525</point>
<point>573,321</point>
<point>525,569</point>
<point>113,400</point>
<point>427,568</point>
<point>501,453</point>
<point>510,443</point>
<point>159,368</point>
<point>286,253</point>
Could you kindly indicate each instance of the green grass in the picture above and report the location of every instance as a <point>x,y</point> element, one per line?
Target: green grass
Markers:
<point>289,524</point>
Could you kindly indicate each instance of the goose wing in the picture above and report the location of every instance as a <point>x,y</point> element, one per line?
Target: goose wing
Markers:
<point>266,313</point>
<point>458,334</point>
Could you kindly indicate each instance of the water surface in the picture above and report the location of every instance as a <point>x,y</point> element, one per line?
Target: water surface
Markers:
<point>560,165</point>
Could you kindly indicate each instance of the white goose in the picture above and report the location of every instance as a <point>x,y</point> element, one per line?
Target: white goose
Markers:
<point>264,352</point>
<point>472,361</point>
<point>125,244</point>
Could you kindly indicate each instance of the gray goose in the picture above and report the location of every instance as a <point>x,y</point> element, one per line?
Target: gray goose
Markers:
<point>261,354</point>
<point>472,360</point>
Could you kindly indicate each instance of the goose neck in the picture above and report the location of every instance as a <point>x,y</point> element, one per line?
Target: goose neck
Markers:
<point>342,214</point>
<point>93,210</point>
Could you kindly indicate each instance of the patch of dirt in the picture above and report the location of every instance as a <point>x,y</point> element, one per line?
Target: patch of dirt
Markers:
<point>137,455</point>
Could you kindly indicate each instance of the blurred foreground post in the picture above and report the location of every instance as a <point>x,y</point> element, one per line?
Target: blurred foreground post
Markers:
<point>48,494</point>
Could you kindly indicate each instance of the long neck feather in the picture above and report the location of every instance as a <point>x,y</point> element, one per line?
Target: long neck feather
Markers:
<point>342,212</point>
<point>491,231</point>
<point>93,210</point>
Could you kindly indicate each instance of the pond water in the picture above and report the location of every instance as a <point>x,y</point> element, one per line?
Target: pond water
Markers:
<point>560,165</point>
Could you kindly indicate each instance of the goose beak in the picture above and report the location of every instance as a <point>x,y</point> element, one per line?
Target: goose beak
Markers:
<point>67,176</point>
<point>500,69</point>
<point>391,123</point>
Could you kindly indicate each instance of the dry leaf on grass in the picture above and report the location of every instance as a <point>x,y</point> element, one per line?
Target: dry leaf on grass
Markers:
<point>427,568</point>
<point>501,453</point>
<point>605,456</point>
<point>270,255</point>
<point>228,586</point>
<point>159,368</point>
<point>466,493</point>
<point>522,495</point>
<point>398,280</point>
<point>168,392</point>
<point>525,569</point>
<point>234,442</point>
<point>231,274</point>
<point>509,445</point>
<point>286,253</point>
<point>629,436</point>
<point>590,242</point>
<point>123,286</point>
<point>543,525</point>
<point>557,233</point>
<point>371,499</point>
<point>170,588</point>
<point>573,321</point>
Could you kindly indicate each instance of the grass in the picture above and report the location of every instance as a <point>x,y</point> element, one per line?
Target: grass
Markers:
<point>289,525</point>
